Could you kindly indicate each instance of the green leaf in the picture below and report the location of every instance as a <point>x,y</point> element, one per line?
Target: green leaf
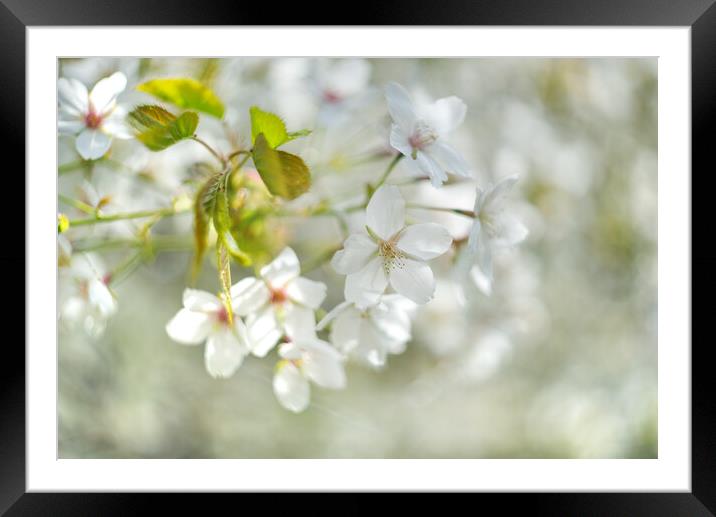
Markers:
<point>185,93</point>
<point>202,217</point>
<point>223,263</point>
<point>272,127</point>
<point>284,174</point>
<point>158,129</point>
<point>222,224</point>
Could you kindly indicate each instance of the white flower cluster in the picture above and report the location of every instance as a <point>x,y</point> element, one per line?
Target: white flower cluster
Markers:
<point>279,306</point>
<point>386,264</point>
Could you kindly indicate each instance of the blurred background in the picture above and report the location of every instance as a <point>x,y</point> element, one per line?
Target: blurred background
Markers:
<point>559,361</point>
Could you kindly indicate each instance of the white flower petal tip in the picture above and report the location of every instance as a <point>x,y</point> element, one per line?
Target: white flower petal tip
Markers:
<point>291,387</point>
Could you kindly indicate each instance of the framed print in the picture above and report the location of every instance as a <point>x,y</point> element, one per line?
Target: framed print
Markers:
<point>432,252</point>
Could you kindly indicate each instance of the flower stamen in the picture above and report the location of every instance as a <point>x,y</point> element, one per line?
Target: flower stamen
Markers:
<point>393,257</point>
<point>423,135</point>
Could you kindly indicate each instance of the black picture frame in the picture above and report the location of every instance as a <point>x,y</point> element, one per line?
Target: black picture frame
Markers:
<point>17,15</point>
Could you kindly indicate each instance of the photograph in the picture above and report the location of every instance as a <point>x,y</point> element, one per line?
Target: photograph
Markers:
<point>357,257</point>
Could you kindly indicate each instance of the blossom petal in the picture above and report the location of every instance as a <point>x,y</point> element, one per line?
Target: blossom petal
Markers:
<point>306,292</point>
<point>483,255</point>
<point>70,126</point>
<point>101,298</point>
<point>332,314</point>
<point>450,159</point>
<point>494,195</point>
<point>427,165</point>
<point>323,365</point>
<point>400,106</point>
<point>104,93</point>
<point>365,286</point>
<point>425,241</point>
<point>445,114</point>
<point>511,231</point>
<point>399,140</point>
<point>290,350</point>
<point>224,353</point>
<point>385,213</point>
<point>189,327</point>
<point>299,322</point>
<point>264,331</point>
<point>116,124</point>
<point>284,268</point>
<point>200,301</point>
<point>373,346</point>
<point>291,387</point>
<point>391,318</point>
<point>345,330</point>
<point>414,281</point>
<point>72,96</point>
<point>357,251</point>
<point>473,238</point>
<point>249,295</point>
<point>92,144</point>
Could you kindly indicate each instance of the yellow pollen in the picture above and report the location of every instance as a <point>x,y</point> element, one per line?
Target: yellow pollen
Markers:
<point>392,256</point>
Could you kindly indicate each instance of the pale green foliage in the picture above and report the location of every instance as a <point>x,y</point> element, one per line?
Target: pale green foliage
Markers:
<point>185,93</point>
<point>158,129</point>
<point>284,174</point>
<point>272,127</point>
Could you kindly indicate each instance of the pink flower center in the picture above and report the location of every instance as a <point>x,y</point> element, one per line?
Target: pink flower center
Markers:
<point>422,136</point>
<point>278,296</point>
<point>222,315</point>
<point>331,97</point>
<point>93,119</point>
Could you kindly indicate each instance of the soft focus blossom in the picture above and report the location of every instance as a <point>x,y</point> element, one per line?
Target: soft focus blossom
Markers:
<point>204,318</point>
<point>278,303</point>
<point>419,131</point>
<point>340,80</point>
<point>304,360</point>
<point>370,334</point>
<point>390,253</point>
<point>89,303</point>
<point>95,117</point>
<point>493,228</point>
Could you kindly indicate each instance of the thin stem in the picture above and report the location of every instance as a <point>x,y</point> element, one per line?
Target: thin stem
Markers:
<point>99,218</point>
<point>157,244</point>
<point>387,172</point>
<point>458,211</point>
<point>75,203</point>
<point>71,166</point>
<point>218,156</point>
<point>238,153</point>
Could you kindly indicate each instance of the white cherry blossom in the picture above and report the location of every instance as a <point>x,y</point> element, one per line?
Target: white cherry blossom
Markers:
<point>340,80</point>
<point>89,302</point>
<point>280,302</point>
<point>494,228</point>
<point>418,132</point>
<point>304,360</point>
<point>371,333</point>
<point>204,318</point>
<point>390,252</point>
<point>94,116</point>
